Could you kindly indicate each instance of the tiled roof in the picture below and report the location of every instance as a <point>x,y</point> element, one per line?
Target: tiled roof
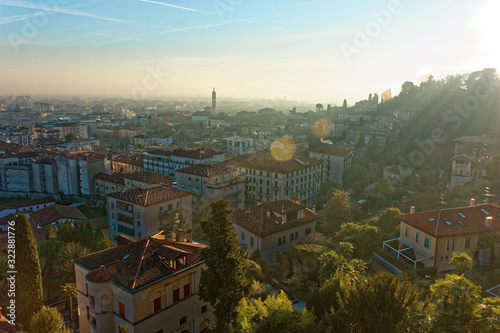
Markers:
<point>27,203</point>
<point>55,212</point>
<point>193,154</point>
<point>271,165</point>
<point>117,178</point>
<point>14,148</point>
<point>7,219</point>
<point>455,221</point>
<point>135,159</point>
<point>5,327</point>
<point>150,177</point>
<point>92,157</point>
<point>101,222</point>
<point>207,170</point>
<point>139,263</point>
<point>332,150</point>
<point>149,196</point>
<point>256,220</point>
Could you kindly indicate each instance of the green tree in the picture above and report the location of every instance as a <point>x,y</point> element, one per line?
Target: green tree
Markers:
<point>47,320</point>
<point>460,299</point>
<point>69,252</point>
<point>70,137</point>
<point>224,282</point>
<point>461,262</point>
<point>275,314</point>
<point>387,223</point>
<point>322,299</point>
<point>50,259</point>
<point>68,292</point>
<point>381,303</point>
<point>363,237</point>
<point>332,262</point>
<point>337,211</point>
<point>488,241</point>
<point>29,294</point>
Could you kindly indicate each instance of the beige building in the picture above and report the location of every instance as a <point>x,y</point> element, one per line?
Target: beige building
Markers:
<point>271,180</point>
<point>335,161</point>
<point>106,184</point>
<point>428,239</point>
<point>146,286</point>
<point>273,227</point>
<point>210,183</point>
<point>145,211</point>
<point>127,163</point>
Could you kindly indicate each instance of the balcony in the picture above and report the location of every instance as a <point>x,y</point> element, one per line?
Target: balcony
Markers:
<point>167,213</point>
<point>127,212</point>
<point>406,252</point>
<point>232,194</point>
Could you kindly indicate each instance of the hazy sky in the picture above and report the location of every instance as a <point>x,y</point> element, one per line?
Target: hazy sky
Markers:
<point>301,49</point>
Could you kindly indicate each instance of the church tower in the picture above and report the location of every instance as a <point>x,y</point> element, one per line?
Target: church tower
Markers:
<point>214,102</point>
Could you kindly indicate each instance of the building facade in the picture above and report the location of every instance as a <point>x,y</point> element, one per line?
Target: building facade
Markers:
<point>144,211</point>
<point>146,286</point>
<point>273,227</point>
<point>238,146</point>
<point>210,183</point>
<point>335,161</point>
<point>428,239</point>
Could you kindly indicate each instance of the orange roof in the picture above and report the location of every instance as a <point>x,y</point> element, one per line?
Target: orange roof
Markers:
<point>136,159</point>
<point>332,150</point>
<point>149,196</point>
<point>455,221</point>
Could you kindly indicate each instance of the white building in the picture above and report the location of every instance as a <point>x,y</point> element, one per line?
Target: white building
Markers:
<point>238,146</point>
<point>335,161</point>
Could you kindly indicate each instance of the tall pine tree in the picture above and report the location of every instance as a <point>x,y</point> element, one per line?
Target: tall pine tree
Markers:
<point>224,282</point>
<point>29,294</point>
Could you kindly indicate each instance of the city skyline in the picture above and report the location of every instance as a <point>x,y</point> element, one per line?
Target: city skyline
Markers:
<point>321,51</point>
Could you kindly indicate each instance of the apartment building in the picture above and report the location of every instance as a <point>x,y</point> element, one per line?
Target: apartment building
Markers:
<point>76,128</point>
<point>127,163</point>
<point>146,286</point>
<point>271,180</point>
<point>210,183</point>
<point>272,227</point>
<point>428,239</point>
<point>335,161</point>
<point>110,183</point>
<point>238,145</point>
<point>144,211</point>
<point>167,162</point>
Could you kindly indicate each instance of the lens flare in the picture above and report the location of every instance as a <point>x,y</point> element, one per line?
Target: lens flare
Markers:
<point>283,149</point>
<point>322,128</point>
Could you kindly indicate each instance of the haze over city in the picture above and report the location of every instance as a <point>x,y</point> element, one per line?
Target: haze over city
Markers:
<point>303,50</point>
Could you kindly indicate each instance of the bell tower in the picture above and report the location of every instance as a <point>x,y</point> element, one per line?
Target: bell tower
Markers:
<point>214,102</point>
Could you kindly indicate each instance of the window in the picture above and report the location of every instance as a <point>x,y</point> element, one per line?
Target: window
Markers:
<point>112,205</point>
<point>160,331</point>
<point>242,237</point>
<point>284,239</point>
<point>279,241</point>
<point>187,290</point>
<point>113,216</point>
<point>427,242</point>
<point>92,300</point>
<point>450,245</point>
<point>467,243</point>
<point>416,237</point>
<point>203,309</point>
<point>291,237</point>
<point>308,231</point>
<point>406,232</point>
<point>122,309</point>
<point>157,304</point>
<point>296,234</point>
<point>88,313</point>
<point>252,243</point>
<point>183,321</point>
<point>169,207</point>
<point>176,295</point>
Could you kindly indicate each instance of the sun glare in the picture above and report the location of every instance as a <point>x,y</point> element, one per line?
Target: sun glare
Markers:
<point>489,24</point>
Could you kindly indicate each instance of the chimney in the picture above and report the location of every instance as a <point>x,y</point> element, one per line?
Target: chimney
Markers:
<point>189,236</point>
<point>314,208</point>
<point>487,221</point>
<point>412,210</point>
<point>472,202</point>
<point>180,235</point>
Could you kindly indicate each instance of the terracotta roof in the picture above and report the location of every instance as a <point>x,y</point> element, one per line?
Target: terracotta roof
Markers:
<point>7,219</point>
<point>28,203</point>
<point>14,148</point>
<point>271,165</point>
<point>193,154</point>
<point>101,222</point>
<point>262,219</point>
<point>455,221</point>
<point>5,327</point>
<point>149,196</point>
<point>92,157</point>
<point>150,177</point>
<point>117,178</point>
<point>332,150</point>
<point>55,212</point>
<point>207,170</point>
<point>135,159</point>
<point>139,263</point>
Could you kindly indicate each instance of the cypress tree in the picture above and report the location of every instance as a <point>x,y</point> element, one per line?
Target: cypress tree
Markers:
<point>50,233</point>
<point>29,294</point>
